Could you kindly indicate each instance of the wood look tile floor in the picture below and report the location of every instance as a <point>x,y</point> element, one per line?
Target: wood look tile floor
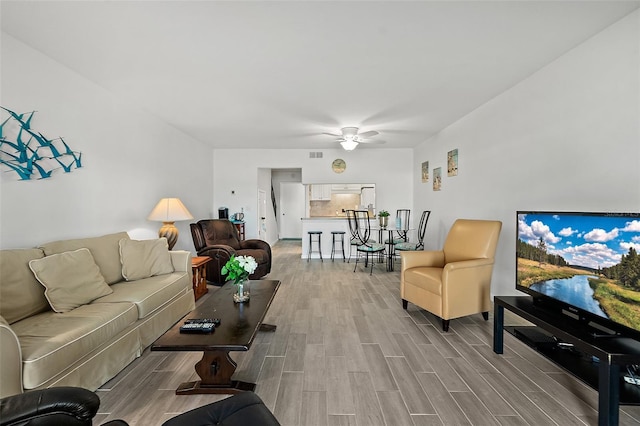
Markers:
<point>346,353</point>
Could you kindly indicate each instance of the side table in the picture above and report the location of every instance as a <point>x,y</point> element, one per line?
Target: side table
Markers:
<point>198,266</point>
<point>239,224</point>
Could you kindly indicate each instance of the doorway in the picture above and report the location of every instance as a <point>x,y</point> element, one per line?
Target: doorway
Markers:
<point>262,215</point>
<point>292,210</point>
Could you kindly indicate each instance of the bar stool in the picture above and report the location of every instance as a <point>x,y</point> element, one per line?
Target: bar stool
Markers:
<point>337,237</point>
<point>311,241</point>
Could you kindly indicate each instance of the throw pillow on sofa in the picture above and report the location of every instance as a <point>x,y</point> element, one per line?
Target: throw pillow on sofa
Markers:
<point>144,258</point>
<point>71,279</point>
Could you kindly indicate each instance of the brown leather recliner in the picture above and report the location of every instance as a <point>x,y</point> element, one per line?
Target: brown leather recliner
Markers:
<point>218,239</point>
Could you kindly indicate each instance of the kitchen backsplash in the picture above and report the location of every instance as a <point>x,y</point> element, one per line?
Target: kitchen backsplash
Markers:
<point>335,206</point>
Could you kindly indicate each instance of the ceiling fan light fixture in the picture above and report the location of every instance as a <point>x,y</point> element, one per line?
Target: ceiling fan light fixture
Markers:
<point>349,132</point>
<point>349,145</point>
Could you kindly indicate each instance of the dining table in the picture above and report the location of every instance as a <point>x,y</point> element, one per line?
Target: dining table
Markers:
<point>390,244</point>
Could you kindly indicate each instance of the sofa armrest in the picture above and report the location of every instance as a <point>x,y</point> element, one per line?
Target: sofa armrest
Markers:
<point>11,357</point>
<point>465,277</point>
<point>217,250</point>
<point>65,405</point>
<point>220,255</point>
<point>181,260</point>
<point>466,287</point>
<point>413,259</point>
<point>255,245</point>
<point>465,264</point>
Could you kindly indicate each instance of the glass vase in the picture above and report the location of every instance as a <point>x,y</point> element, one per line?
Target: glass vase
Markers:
<point>242,292</point>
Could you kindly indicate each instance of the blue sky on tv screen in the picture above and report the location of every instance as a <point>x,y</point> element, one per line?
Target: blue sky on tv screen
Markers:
<point>584,240</point>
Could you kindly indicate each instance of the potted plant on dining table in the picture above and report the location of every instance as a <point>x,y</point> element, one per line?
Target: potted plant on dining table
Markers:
<point>383,217</point>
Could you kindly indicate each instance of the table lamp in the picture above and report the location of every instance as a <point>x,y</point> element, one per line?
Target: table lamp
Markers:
<point>168,211</point>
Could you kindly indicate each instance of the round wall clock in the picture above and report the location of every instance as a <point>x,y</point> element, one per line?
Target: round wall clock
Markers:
<point>338,165</point>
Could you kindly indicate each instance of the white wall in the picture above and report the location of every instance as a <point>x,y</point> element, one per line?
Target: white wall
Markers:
<point>567,138</point>
<point>130,159</point>
<point>237,170</point>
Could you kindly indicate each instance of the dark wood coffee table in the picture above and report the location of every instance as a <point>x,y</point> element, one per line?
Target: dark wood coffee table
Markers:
<point>239,324</point>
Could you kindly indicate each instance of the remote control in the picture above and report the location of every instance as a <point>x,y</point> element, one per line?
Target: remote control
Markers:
<point>197,328</point>
<point>197,321</point>
<point>215,321</point>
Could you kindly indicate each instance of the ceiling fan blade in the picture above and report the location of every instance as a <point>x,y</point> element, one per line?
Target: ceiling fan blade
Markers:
<point>368,134</point>
<point>337,135</point>
<point>373,142</point>
<point>304,135</point>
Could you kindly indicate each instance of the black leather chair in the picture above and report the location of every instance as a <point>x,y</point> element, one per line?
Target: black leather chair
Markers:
<point>73,406</point>
<point>218,239</point>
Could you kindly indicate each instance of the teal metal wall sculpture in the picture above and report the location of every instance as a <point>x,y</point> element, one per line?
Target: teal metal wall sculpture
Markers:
<point>29,153</point>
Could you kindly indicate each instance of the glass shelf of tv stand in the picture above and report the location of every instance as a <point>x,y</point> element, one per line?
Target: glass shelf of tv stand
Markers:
<point>581,365</point>
<point>577,360</point>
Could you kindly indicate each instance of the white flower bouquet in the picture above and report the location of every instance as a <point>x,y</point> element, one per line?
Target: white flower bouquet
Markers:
<point>238,268</point>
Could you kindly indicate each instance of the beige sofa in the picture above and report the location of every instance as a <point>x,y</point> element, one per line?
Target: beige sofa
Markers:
<point>87,342</point>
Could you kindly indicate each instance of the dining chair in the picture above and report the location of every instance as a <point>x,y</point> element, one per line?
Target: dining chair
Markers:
<point>402,227</point>
<point>353,239</point>
<point>360,226</point>
<point>400,235</point>
<point>418,245</point>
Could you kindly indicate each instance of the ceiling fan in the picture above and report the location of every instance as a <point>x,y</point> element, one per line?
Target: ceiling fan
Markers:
<point>349,137</point>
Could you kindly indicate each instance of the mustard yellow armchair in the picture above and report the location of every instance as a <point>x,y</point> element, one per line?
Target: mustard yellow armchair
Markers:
<point>455,281</point>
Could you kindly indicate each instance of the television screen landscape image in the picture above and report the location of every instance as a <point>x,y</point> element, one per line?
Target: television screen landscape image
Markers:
<point>587,262</point>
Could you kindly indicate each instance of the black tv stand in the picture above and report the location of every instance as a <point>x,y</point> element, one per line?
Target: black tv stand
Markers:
<point>610,352</point>
<point>604,336</point>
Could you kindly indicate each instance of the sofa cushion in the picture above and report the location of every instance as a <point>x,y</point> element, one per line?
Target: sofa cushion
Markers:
<point>427,278</point>
<point>71,279</point>
<point>51,342</point>
<point>149,294</point>
<point>21,295</point>
<point>105,251</point>
<point>144,259</point>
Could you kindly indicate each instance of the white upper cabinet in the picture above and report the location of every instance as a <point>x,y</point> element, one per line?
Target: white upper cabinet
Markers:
<point>345,188</point>
<point>320,192</point>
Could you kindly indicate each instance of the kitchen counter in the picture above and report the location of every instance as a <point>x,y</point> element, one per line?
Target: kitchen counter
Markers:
<point>326,224</point>
<point>324,217</point>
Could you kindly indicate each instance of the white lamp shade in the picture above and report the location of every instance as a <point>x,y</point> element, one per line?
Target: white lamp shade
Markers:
<point>349,145</point>
<point>170,210</point>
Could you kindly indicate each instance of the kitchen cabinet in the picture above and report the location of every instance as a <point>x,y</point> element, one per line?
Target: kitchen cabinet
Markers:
<point>345,188</point>
<point>321,192</point>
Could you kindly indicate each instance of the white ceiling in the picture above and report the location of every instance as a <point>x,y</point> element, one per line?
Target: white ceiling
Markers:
<point>269,74</point>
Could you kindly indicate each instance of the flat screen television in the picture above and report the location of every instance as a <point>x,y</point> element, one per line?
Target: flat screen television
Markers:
<point>585,265</point>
